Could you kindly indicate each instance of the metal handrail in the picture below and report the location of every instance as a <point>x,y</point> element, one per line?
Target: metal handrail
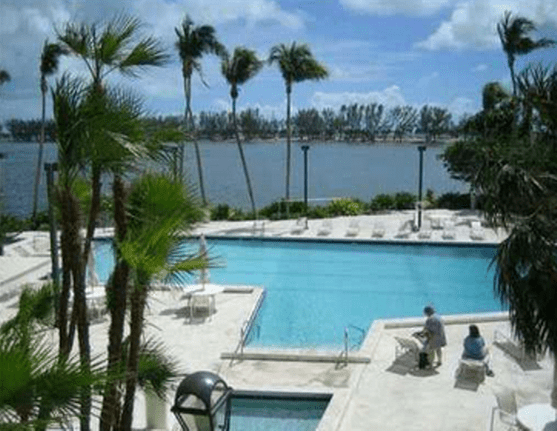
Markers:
<point>343,357</point>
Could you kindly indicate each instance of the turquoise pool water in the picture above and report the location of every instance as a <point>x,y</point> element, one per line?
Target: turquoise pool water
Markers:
<point>256,414</point>
<point>315,290</point>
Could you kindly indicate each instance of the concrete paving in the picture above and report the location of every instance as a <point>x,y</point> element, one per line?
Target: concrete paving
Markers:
<point>388,393</point>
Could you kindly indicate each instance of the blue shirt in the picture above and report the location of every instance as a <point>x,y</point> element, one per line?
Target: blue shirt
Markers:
<point>474,347</point>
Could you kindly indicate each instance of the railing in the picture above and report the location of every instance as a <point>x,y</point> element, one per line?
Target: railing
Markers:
<point>343,356</point>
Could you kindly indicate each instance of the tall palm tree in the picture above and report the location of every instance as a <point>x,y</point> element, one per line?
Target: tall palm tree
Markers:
<point>513,33</point>
<point>519,188</point>
<point>296,64</point>
<point>193,42</point>
<point>49,65</point>
<point>4,76</point>
<point>117,45</point>
<point>161,211</point>
<point>237,70</point>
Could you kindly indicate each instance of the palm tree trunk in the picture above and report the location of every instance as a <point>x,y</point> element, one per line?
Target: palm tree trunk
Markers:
<point>513,79</point>
<point>243,158</point>
<point>71,215</point>
<point>116,294</point>
<point>190,126</point>
<point>39,160</point>
<point>288,149</point>
<point>138,300</point>
<point>64,340</point>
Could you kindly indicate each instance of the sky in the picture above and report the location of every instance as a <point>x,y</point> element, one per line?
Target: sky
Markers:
<point>394,52</point>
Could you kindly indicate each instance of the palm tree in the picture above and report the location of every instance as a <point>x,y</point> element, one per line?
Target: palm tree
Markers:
<point>193,42</point>
<point>513,33</point>
<point>296,64</point>
<point>519,187</point>
<point>49,65</point>
<point>118,45</point>
<point>37,388</point>
<point>4,76</point>
<point>237,70</point>
<point>161,210</point>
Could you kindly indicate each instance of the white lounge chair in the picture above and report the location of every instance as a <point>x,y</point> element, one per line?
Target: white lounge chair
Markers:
<point>378,230</point>
<point>436,222</point>
<point>353,228</point>
<point>424,234</point>
<point>404,230</point>
<point>477,232</point>
<point>326,228</point>
<point>449,230</point>
<point>300,226</point>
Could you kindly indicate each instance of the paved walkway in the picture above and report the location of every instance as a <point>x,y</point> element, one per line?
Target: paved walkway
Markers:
<point>386,393</point>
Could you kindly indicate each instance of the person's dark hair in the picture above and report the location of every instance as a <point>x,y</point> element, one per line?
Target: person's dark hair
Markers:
<point>429,310</point>
<point>474,331</point>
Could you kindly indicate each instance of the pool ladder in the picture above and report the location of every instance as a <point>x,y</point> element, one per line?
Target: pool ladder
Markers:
<point>343,356</point>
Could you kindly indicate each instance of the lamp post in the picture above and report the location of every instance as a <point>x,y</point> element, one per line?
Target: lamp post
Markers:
<point>50,168</point>
<point>305,149</point>
<point>421,149</point>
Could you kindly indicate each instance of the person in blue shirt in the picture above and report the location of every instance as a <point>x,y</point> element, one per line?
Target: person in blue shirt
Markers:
<point>475,348</point>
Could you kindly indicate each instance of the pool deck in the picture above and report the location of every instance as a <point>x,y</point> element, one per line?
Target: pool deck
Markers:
<point>386,393</point>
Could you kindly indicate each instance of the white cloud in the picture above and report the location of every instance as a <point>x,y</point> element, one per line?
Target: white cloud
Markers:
<point>25,24</point>
<point>473,23</point>
<point>392,7</point>
<point>425,81</point>
<point>390,96</point>
<point>480,68</point>
<point>462,106</point>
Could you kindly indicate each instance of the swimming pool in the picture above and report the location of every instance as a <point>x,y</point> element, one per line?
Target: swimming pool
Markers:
<point>249,412</point>
<point>316,289</point>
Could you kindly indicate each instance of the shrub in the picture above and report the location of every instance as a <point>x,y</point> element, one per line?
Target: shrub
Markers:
<point>454,201</point>
<point>382,202</point>
<point>344,207</point>
<point>404,201</point>
<point>221,212</point>
<point>318,212</point>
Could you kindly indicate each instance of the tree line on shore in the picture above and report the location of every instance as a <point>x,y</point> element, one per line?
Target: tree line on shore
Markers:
<point>351,123</point>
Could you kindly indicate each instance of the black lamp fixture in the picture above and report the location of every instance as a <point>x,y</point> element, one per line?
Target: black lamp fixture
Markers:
<point>202,403</point>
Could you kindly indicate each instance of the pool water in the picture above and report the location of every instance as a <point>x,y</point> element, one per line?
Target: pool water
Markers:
<point>315,290</point>
<point>275,414</point>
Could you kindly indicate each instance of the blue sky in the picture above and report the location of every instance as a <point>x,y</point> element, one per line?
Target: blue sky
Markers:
<point>393,52</point>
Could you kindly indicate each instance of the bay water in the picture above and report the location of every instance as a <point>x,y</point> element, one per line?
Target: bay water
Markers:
<point>335,169</point>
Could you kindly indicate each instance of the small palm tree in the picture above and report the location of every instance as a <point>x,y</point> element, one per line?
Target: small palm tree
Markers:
<point>38,389</point>
<point>242,66</point>
<point>161,211</point>
<point>4,76</point>
<point>49,65</point>
<point>193,42</point>
<point>296,64</point>
<point>513,32</point>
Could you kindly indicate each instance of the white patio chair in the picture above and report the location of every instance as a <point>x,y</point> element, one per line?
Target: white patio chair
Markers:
<point>353,228</point>
<point>477,232</point>
<point>506,409</point>
<point>326,228</point>
<point>300,226</point>
<point>378,230</point>
<point>449,230</point>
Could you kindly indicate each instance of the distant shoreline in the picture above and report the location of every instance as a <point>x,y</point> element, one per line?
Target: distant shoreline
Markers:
<point>411,140</point>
